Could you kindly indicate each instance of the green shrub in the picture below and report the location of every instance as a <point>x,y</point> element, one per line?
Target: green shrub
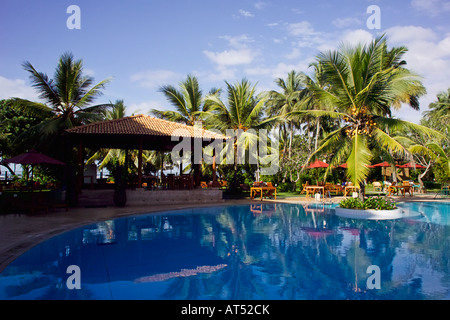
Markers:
<point>377,203</point>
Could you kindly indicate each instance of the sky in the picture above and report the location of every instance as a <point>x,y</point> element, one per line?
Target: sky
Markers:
<point>144,45</point>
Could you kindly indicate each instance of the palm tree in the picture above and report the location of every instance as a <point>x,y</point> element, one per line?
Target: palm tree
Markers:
<point>67,99</point>
<point>108,156</point>
<point>242,111</point>
<point>188,102</point>
<point>439,114</point>
<point>311,103</point>
<point>282,103</point>
<point>364,83</point>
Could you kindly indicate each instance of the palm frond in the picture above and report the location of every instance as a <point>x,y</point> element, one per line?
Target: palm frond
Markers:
<point>44,85</point>
<point>31,108</point>
<point>359,160</point>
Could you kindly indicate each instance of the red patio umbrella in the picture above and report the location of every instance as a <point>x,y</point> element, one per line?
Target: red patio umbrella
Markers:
<point>382,164</point>
<point>318,164</point>
<point>411,165</point>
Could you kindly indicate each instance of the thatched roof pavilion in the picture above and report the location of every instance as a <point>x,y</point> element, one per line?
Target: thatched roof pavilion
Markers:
<point>139,132</point>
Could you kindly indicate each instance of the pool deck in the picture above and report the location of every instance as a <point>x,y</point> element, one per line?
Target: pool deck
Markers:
<point>19,232</point>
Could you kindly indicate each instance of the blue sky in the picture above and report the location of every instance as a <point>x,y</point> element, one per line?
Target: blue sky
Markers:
<point>146,44</point>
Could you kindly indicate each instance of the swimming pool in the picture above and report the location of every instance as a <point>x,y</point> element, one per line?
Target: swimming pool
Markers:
<point>261,251</point>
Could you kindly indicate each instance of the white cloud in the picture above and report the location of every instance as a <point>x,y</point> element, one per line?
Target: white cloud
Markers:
<point>346,22</point>
<point>355,37</point>
<point>238,42</point>
<point>153,78</point>
<point>294,54</point>
<point>431,7</point>
<point>428,55</point>
<point>145,106</point>
<point>300,28</point>
<point>231,57</point>
<point>411,34</point>
<point>239,54</point>
<point>10,88</point>
<point>246,14</point>
<point>261,5</point>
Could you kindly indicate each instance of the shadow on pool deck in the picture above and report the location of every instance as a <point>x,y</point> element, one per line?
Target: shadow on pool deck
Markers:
<point>20,232</point>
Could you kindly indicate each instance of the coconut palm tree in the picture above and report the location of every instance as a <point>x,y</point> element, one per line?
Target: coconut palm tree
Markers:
<point>241,112</point>
<point>67,99</point>
<point>364,83</point>
<point>282,103</point>
<point>188,102</point>
<point>107,156</point>
<point>438,114</point>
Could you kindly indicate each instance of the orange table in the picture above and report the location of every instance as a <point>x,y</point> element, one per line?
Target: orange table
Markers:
<point>314,189</point>
<point>402,189</point>
<point>262,190</point>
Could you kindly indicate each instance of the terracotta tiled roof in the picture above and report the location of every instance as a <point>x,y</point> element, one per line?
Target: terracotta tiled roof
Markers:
<point>144,125</point>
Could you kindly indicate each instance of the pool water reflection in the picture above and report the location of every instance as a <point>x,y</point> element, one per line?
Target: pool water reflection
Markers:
<point>263,251</point>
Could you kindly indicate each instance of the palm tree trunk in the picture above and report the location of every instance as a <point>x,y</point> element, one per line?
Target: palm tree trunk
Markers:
<point>291,137</point>
<point>423,175</point>
<point>316,144</point>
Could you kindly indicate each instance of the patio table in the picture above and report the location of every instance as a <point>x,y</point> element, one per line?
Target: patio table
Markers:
<point>261,190</point>
<point>313,189</point>
<point>402,189</point>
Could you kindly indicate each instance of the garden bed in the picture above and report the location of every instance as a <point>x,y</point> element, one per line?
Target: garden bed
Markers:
<point>375,208</point>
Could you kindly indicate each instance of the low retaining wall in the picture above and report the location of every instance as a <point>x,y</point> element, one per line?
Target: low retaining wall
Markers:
<point>141,197</point>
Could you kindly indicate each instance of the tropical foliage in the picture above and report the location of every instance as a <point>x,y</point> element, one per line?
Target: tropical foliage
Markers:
<point>341,112</point>
<point>375,203</point>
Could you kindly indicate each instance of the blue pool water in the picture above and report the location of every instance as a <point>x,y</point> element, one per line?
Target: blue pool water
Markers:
<point>268,251</point>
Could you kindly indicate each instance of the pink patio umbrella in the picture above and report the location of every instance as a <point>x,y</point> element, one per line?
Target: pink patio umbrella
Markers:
<point>33,157</point>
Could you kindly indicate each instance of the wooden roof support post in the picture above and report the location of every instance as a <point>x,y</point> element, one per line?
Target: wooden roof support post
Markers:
<point>80,178</point>
<point>140,164</point>
<point>214,168</point>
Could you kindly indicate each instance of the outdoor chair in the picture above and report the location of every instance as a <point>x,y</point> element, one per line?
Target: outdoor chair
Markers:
<point>271,190</point>
<point>203,184</point>
<point>304,187</point>
<point>377,186</point>
<point>408,187</point>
